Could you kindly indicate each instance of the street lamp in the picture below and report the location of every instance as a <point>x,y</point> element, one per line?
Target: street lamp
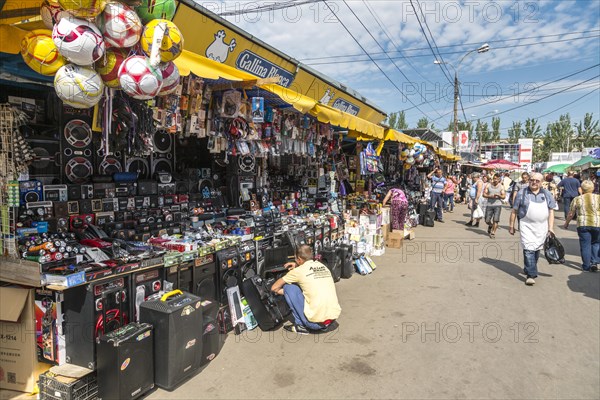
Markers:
<point>483,49</point>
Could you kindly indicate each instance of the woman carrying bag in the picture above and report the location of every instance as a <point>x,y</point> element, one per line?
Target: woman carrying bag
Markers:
<point>587,208</point>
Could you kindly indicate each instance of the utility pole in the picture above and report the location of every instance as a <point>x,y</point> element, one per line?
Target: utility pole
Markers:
<point>456,140</point>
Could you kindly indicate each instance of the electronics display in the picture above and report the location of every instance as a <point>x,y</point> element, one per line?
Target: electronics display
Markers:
<point>56,193</point>
<point>228,272</point>
<point>30,191</point>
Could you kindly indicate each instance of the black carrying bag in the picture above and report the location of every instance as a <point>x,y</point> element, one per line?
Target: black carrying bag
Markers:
<point>554,250</point>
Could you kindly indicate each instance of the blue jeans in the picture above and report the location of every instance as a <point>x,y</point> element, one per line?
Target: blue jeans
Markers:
<point>295,299</point>
<point>449,201</point>
<point>531,258</point>
<point>437,203</point>
<point>567,205</point>
<point>589,245</point>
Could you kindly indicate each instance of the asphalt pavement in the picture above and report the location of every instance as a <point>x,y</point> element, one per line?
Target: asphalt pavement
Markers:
<point>447,316</point>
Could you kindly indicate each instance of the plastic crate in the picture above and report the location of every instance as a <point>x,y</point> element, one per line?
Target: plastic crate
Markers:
<point>51,388</point>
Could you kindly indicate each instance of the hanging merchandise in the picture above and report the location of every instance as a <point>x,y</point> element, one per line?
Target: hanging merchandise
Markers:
<point>83,8</point>
<point>109,66</point>
<point>258,110</point>
<point>77,86</point>
<point>79,41</point>
<point>156,9</point>
<point>369,161</point>
<point>50,13</point>
<point>40,53</point>
<point>120,25</point>
<point>166,36</point>
<point>139,79</point>
<point>170,76</point>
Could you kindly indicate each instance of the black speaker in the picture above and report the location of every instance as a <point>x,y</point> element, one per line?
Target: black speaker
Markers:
<point>422,209</point>
<point>212,338</point>
<point>268,309</point>
<point>429,218</point>
<point>109,165</point>
<point>345,254</point>
<point>47,157</point>
<point>331,259</point>
<point>138,165</point>
<point>143,285</point>
<point>228,272</point>
<point>205,283</point>
<point>177,320</point>
<point>161,164</point>
<point>91,311</point>
<point>126,362</point>
<point>61,209</point>
<point>76,136</point>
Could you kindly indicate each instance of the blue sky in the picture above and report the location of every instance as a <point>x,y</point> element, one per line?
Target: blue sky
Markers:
<point>533,43</point>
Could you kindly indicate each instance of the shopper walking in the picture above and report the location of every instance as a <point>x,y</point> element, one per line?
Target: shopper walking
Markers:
<point>495,194</point>
<point>523,183</point>
<point>587,209</point>
<point>475,193</point>
<point>399,209</point>
<point>570,188</point>
<point>438,185</point>
<point>550,186</point>
<point>506,182</point>
<point>449,194</point>
<point>534,207</point>
<point>463,188</point>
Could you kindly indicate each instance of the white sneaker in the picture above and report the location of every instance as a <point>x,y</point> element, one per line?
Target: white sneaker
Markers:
<point>530,281</point>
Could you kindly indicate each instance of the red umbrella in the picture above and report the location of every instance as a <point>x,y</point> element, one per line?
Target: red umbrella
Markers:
<point>501,164</point>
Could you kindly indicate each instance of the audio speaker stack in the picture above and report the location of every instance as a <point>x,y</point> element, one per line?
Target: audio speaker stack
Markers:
<point>76,136</point>
<point>345,253</point>
<point>205,284</point>
<point>227,272</point>
<point>126,362</point>
<point>47,159</point>
<point>109,165</point>
<point>176,318</point>
<point>162,157</point>
<point>139,166</point>
<point>144,285</point>
<point>91,311</point>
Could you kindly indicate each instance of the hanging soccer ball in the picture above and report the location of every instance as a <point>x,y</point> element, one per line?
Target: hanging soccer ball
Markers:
<point>407,166</point>
<point>83,8</point>
<point>109,68</point>
<point>40,53</point>
<point>156,9</point>
<point>172,41</point>
<point>170,75</point>
<point>404,153</point>
<point>410,160</point>
<point>120,25</point>
<point>77,86</point>
<point>420,158</point>
<point>50,13</point>
<point>78,41</point>
<point>139,79</point>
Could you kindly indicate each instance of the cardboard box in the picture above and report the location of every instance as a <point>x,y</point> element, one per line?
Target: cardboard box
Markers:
<point>395,239</point>
<point>19,367</point>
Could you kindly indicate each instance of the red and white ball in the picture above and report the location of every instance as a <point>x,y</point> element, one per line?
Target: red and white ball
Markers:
<point>139,79</point>
<point>77,40</point>
<point>170,76</point>
<point>50,13</point>
<point>120,25</point>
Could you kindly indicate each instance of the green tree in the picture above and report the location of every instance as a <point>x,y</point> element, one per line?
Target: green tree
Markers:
<point>482,132</point>
<point>495,129</point>
<point>423,123</point>
<point>588,132</point>
<point>532,129</point>
<point>515,132</point>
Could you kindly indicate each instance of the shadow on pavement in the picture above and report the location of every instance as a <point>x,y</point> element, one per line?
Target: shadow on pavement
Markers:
<point>587,283</point>
<point>509,268</point>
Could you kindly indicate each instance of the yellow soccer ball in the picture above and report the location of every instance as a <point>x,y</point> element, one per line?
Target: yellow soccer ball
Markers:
<point>172,42</point>
<point>109,68</point>
<point>40,53</point>
<point>83,8</point>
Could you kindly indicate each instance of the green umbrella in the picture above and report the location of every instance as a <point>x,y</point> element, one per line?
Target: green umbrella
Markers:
<point>585,163</point>
<point>558,168</point>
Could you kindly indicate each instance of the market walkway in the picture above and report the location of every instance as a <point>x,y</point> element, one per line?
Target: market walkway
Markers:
<point>447,316</point>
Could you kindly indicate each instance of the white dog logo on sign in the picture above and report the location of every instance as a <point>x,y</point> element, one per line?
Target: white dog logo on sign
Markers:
<point>219,50</point>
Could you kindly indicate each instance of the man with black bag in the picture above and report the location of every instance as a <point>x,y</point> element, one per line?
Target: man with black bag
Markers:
<point>535,208</point>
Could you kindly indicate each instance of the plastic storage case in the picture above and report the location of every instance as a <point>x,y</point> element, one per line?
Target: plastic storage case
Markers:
<point>51,388</point>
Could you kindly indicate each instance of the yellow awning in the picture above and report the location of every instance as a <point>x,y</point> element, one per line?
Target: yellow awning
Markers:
<point>11,35</point>
<point>206,68</point>
<point>342,119</point>
<point>14,11</point>
<point>395,136</point>
<point>299,101</point>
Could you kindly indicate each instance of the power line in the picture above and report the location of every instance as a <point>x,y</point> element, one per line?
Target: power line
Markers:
<point>442,62</point>
<point>377,65</point>
<point>378,44</point>
<point>568,104</point>
<point>458,52</point>
<point>427,39</point>
<point>456,45</point>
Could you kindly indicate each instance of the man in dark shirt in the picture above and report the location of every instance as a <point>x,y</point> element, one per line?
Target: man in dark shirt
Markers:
<point>570,188</point>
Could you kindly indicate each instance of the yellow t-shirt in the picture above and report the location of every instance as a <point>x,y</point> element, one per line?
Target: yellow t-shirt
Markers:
<point>320,298</point>
<point>587,207</point>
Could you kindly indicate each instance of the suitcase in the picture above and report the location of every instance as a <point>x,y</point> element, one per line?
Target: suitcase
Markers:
<point>177,320</point>
<point>345,252</point>
<point>269,309</point>
<point>125,364</point>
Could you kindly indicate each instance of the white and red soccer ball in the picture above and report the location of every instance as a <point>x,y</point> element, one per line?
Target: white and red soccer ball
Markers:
<point>139,79</point>
<point>50,13</point>
<point>77,40</point>
<point>170,76</point>
<point>120,25</point>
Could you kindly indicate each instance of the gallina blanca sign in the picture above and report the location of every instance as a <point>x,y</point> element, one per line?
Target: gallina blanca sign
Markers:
<point>256,65</point>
